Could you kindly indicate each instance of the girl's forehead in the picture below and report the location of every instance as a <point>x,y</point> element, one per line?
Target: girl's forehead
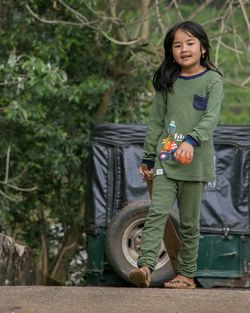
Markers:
<point>183,35</point>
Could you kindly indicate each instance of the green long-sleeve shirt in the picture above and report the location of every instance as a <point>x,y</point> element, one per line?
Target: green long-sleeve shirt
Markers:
<point>194,105</point>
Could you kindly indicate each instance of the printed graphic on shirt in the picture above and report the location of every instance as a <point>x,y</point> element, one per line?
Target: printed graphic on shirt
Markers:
<point>169,149</point>
<point>178,137</point>
<point>169,145</point>
<point>171,128</point>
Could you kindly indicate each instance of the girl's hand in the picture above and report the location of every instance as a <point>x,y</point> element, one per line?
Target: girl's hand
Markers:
<point>145,172</point>
<point>185,153</point>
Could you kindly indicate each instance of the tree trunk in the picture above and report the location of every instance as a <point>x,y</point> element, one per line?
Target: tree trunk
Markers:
<point>17,266</point>
<point>43,262</point>
<point>104,103</point>
<point>67,250</point>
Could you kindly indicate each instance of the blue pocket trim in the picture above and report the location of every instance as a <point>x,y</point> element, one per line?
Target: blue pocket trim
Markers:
<point>200,102</point>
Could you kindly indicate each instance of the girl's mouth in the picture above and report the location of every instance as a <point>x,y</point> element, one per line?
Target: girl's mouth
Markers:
<point>185,57</point>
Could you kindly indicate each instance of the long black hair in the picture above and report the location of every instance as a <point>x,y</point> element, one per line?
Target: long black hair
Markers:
<point>168,71</point>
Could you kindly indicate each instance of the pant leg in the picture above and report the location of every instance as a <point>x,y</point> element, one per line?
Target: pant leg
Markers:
<point>189,202</point>
<point>163,196</point>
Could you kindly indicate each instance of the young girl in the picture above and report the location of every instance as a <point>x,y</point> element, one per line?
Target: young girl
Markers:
<point>178,148</point>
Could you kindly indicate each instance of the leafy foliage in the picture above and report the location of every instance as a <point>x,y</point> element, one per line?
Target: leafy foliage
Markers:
<point>56,80</point>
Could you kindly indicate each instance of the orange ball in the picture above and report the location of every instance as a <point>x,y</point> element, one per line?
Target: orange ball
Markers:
<point>183,159</point>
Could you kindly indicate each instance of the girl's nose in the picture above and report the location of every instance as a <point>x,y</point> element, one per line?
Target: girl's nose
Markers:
<point>184,48</point>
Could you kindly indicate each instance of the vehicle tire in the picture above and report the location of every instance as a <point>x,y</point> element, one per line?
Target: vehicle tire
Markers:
<point>123,241</point>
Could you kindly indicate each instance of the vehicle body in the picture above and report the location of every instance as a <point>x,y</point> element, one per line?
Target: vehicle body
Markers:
<point>118,204</point>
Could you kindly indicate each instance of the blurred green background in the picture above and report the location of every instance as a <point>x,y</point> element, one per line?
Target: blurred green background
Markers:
<point>65,65</point>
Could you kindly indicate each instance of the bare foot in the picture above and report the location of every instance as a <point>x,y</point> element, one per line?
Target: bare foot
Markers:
<point>180,282</point>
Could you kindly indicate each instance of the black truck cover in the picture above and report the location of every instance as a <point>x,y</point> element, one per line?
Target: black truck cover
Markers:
<point>114,180</point>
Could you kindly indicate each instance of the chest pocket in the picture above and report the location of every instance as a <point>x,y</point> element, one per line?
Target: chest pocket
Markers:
<point>200,102</point>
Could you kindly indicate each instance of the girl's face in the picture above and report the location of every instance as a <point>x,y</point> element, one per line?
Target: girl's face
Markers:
<point>187,51</point>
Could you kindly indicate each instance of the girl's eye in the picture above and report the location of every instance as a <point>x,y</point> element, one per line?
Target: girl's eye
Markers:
<point>177,46</point>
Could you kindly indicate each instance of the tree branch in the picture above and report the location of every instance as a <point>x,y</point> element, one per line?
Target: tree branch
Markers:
<point>144,27</point>
<point>218,44</point>
<point>11,198</point>
<point>118,42</point>
<point>244,12</point>
<point>242,85</point>
<point>6,180</point>
<point>7,166</point>
<point>78,15</point>
<point>199,9</point>
<point>51,21</point>
<point>245,81</point>
<point>9,83</point>
<point>120,25</point>
<point>234,36</point>
<point>178,11</point>
<point>18,188</point>
<point>231,48</point>
<point>159,21</point>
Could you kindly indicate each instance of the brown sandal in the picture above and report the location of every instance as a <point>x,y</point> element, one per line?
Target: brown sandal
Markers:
<point>179,284</point>
<point>140,277</point>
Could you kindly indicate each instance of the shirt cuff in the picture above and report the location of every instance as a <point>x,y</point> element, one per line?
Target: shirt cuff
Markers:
<point>189,139</point>
<point>150,164</point>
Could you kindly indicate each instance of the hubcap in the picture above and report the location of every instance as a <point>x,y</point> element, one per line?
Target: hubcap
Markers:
<point>131,242</point>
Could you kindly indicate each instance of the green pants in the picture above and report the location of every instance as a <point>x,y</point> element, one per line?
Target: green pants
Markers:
<point>188,195</point>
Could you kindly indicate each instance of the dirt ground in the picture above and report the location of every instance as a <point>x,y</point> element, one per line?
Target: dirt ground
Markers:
<point>120,300</point>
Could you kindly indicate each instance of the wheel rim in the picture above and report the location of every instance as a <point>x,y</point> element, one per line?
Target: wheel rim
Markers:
<point>131,241</point>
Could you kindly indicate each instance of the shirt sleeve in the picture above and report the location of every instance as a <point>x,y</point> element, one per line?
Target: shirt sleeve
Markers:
<point>155,126</point>
<point>189,139</point>
<point>150,164</point>
<point>204,129</point>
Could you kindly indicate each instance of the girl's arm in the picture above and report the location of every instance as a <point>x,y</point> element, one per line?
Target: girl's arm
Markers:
<point>155,126</point>
<point>204,129</point>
